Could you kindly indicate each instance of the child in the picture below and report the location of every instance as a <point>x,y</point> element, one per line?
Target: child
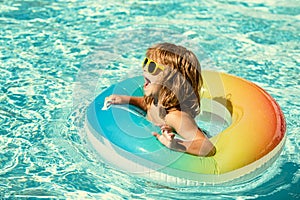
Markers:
<point>171,98</point>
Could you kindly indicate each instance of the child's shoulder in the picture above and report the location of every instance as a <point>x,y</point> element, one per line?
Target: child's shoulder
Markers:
<point>177,116</point>
<point>181,121</point>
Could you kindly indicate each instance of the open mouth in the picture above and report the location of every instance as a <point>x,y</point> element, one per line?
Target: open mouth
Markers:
<point>147,82</point>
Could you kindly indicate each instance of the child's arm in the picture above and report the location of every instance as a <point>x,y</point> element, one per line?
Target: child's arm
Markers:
<point>194,141</point>
<point>123,99</point>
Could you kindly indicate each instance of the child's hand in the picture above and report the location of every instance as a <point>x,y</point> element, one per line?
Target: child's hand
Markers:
<point>168,139</point>
<point>167,136</point>
<point>117,99</point>
<point>166,128</point>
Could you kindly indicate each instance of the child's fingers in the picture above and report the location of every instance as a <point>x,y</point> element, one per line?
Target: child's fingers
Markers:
<point>112,99</point>
<point>157,135</point>
<point>160,136</point>
<point>168,135</point>
<point>166,128</point>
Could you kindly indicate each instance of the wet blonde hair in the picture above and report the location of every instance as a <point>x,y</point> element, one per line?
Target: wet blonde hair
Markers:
<point>181,81</point>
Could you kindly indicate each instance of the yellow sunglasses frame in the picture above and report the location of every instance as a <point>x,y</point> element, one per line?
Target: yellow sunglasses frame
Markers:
<point>156,65</point>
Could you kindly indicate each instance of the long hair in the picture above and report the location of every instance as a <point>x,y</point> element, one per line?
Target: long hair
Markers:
<point>181,81</point>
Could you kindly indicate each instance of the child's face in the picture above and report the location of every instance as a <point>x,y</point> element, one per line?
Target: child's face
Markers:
<point>152,84</point>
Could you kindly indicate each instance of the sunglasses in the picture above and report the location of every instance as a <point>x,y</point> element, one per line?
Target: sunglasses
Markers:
<point>151,66</point>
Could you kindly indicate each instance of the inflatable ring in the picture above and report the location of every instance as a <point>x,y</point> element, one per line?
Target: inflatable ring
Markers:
<point>251,139</point>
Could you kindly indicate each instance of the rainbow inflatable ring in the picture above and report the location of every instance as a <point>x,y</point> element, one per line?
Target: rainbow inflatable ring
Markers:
<point>252,139</point>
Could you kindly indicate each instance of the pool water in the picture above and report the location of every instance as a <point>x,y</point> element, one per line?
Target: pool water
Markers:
<point>57,56</point>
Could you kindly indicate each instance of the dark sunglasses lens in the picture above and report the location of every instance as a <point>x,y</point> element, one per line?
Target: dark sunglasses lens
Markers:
<point>145,62</point>
<point>151,67</point>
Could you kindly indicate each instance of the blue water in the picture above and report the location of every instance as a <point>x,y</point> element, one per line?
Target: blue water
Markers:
<point>56,56</point>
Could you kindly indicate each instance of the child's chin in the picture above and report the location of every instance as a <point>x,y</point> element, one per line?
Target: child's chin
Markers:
<point>147,94</point>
